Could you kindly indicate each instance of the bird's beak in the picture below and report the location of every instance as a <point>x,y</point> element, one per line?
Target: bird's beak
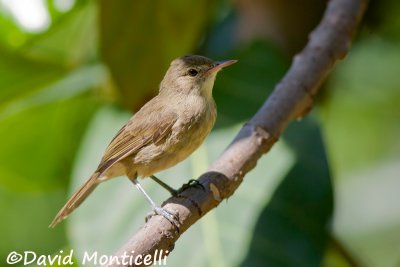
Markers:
<point>220,65</point>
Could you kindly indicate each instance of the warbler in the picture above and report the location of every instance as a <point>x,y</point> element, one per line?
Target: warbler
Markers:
<point>165,131</point>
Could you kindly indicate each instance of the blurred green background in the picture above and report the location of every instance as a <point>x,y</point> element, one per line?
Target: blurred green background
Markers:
<point>72,72</point>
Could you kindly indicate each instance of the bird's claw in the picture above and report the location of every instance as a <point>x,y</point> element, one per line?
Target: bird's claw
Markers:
<point>190,183</point>
<point>172,218</point>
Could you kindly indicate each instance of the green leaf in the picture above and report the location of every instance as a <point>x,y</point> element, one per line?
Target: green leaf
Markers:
<point>39,137</point>
<point>72,84</point>
<point>45,126</point>
<point>20,77</point>
<point>70,42</point>
<point>241,89</point>
<point>139,58</point>
<point>11,35</point>
<point>39,144</point>
<point>364,103</point>
<point>361,127</point>
<point>24,226</point>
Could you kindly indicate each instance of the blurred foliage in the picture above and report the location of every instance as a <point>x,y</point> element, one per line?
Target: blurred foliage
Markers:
<point>361,124</point>
<point>292,228</point>
<point>139,39</point>
<point>260,68</point>
<point>65,91</point>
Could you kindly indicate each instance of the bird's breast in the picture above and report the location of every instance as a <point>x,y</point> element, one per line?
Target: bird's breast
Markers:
<point>188,133</point>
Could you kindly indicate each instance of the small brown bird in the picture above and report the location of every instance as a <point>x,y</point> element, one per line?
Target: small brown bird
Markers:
<point>165,131</point>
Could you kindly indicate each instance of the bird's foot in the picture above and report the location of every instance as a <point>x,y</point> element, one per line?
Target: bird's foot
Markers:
<point>190,183</point>
<point>174,192</point>
<point>172,218</point>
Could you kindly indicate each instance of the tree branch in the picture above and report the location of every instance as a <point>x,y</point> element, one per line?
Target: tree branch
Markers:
<point>292,98</point>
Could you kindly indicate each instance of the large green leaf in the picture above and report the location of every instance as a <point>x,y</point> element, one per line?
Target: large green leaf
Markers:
<point>39,136</point>
<point>46,127</point>
<point>116,209</point>
<point>140,38</point>
<point>25,220</point>
<point>364,104</point>
<point>38,144</point>
<point>361,126</point>
<point>20,77</point>
<point>49,56</point>
<point>241,90</point>
<point>70,42</point>
<point>13,36</point>
<point>10,34</point>
<point>72,84</point>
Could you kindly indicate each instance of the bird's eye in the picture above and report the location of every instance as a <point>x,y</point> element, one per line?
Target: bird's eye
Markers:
<point>193,72</point>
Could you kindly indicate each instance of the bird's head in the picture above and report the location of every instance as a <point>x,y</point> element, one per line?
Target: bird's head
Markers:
<point>192,74</point>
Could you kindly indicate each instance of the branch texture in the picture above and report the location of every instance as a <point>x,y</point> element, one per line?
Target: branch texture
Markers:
<point>292,98</point>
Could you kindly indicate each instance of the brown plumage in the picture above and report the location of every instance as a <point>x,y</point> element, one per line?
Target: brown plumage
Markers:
<point>165,131</point>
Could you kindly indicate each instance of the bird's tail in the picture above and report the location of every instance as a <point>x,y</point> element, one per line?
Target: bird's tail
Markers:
<point>79,196</point>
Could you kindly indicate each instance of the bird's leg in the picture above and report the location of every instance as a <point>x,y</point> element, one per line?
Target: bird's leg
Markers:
<point>174,192</point>
<point>157,209</point>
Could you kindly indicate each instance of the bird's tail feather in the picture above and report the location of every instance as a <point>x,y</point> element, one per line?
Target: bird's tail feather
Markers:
<point>79,196</point>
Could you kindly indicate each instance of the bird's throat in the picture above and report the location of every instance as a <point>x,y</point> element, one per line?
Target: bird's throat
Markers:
<point>207,86</point>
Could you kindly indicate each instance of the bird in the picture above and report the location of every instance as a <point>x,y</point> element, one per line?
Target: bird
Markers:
<point>164,132</point>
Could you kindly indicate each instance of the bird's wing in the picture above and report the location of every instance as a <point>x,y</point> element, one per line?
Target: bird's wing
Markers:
<point>141,130</point>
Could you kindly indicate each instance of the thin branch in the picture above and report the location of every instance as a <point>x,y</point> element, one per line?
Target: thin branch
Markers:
<point>292,98</point>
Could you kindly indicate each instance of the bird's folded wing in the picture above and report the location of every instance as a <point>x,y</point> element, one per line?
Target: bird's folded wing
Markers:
<point>136,134</point>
